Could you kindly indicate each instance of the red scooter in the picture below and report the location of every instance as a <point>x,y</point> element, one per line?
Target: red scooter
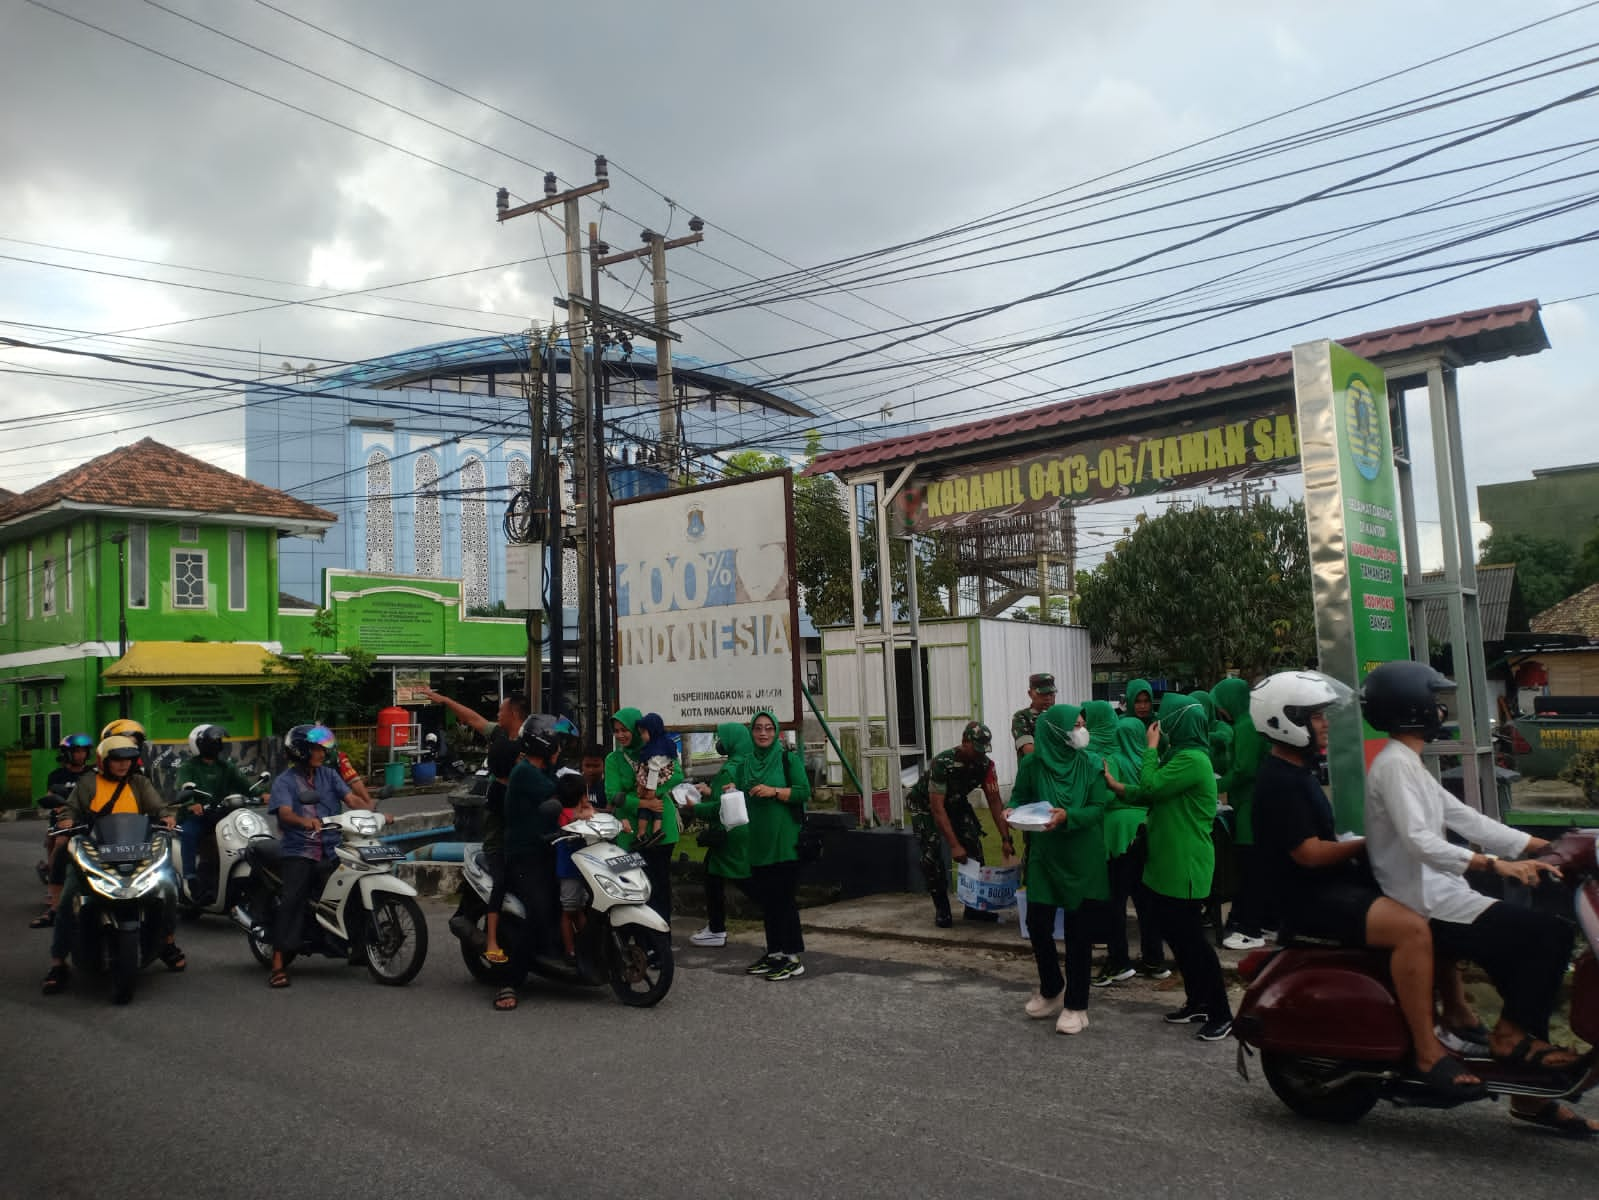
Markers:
<point>1331,1038</point>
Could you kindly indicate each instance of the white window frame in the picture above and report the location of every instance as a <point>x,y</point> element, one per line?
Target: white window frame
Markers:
<point>69,572</point>
<point>205,577</point>
<point>138,537</point>
<point>30,583</point>
<point>189,535</point>
<point>238,579</point>
<point>47,587</point>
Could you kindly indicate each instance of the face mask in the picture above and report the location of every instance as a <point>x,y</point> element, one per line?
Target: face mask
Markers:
<point>1080,739</point>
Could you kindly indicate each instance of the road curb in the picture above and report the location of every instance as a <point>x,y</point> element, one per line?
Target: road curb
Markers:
<point>23,814</point>
<point>954,942</point>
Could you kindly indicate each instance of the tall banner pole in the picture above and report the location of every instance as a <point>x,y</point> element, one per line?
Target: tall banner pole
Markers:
<point>1352,517</point>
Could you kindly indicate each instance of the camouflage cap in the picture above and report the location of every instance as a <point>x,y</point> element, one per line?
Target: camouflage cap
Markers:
<point>1043,682</point>
<point>978,735</point>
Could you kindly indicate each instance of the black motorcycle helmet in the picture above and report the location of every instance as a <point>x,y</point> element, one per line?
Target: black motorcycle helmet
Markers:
<point>299,740</point>
<point>540,737</point>
<point>206,741</point>
<point>1402,697</point>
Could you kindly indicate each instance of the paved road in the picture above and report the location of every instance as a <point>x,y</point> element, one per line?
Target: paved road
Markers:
<point>864,1078</point>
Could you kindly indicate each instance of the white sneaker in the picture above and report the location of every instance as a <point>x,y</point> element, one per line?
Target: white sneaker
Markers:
<point>1242,941</point>
<point>1071,1020</point>
<point>1041,1006</point>
<point>708,937</point>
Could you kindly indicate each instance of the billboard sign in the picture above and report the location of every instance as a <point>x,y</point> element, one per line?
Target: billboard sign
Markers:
<point>1352,514</point>
<point>707,611</point>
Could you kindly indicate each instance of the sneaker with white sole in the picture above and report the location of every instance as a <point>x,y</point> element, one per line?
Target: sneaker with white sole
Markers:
<point>763,964</point>
<point>709,937</point>
<point>1071,1020</point>
<point>1109,975</point>
<point>786,968</point>
<point>1186,1015</point>
<point>1214,1031</point>
<point>1242,941</point>
<point>1154,971</point>
<point>1041,1006</point>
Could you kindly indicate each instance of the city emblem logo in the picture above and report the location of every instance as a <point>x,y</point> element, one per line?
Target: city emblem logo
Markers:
<point>1363,424</point>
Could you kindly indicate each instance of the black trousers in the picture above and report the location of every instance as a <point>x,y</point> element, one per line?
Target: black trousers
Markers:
<point>658,868</point>
<point>1127,882</point>
<point>1080,924</point>
<point>1524,952</point>
<point>1248,914</point>
<point>1182,925</point>
<point>300,877</point>
<point>775,888</point>
<point>531,878</point>
<point>716,900</point>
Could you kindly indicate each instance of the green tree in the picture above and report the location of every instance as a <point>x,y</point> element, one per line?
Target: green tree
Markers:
<point>1587,572</point>
<point>1196,591</point>
<point>334,693</point>
<point>821,545</point>
<point>1546,568</point>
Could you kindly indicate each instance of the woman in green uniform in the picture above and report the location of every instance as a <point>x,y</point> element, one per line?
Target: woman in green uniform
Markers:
<point>621,764</point>
<point>1127,851</point>
<point>776,790</point>
<point>1246,923</point>
<point>1180,794</point>
<point>651,808</point>
<point>1066,863</point>
<point>1139,701</point>
<point>727,851</point>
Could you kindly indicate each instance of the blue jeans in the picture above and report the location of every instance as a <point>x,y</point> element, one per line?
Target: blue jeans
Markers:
<point>190,830</point>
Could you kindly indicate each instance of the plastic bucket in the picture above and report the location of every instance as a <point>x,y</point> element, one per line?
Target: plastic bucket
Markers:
<point>394,775</point>
<point>424,772</point>
<point>987,889</point>
<point>1021,917</point>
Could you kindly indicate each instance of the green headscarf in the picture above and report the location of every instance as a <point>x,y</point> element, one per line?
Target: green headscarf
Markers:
<point>1100,717</point>
<point>1204,700</point>
<point>769,765</point>
<point>1132,739</point>
<point>1136,688</point>
<point>1232,694</point>
<point>1170,704</point>
<point>733,740</point>
<point>630,717</point>
<point>1065,774</point>
<point>1187,729</point>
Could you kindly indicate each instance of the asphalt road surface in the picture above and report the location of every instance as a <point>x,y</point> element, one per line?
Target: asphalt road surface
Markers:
<point>864,1078</point>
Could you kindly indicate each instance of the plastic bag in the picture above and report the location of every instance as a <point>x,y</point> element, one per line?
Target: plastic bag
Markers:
<point>1031,818</point>
<point>987,889</point>
<point>686,794</point>
<point>735,811</point>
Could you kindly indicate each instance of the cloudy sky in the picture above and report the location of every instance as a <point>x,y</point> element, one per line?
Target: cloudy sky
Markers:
<point>1177,176</point>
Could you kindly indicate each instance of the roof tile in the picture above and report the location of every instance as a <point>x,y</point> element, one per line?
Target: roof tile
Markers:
<point>1577,614</point>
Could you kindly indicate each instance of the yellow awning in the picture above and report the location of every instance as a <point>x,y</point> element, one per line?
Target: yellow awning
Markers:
<point>218,664</point>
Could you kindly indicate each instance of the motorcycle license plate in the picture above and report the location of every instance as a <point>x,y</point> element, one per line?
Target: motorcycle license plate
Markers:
<point>130,853</point>
<point>380,853</point>
<point>626,862</point>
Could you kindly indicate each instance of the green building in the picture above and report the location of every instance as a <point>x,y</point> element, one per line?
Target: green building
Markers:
<point>186,554</point>
<point>1557,502</point>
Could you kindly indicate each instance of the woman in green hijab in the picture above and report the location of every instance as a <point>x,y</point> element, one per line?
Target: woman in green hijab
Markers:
<point>1180,794</point>
<point>727,851</point>
<point>621,764</point>
<point>1139,701</point>
<point>777,790</point>
<point>1246,923</point>
<point>1127,850</point>
<point>659,812</point>
<point>1221,733</point>
<point>1066,863</point>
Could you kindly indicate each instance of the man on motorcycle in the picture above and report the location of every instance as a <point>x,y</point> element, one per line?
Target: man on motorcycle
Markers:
<point>301,796</point>
<point>1317,881</point>
<point>212,774</point>
<point>532,823</point>
<point>113,788</point>
<point>73,754</point>
<point>1524,951</point>
<point>128,728</point>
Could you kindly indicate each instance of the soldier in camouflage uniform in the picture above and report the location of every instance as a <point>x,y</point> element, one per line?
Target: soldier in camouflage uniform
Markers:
<point>942,815</point>
<point>1040,695</point>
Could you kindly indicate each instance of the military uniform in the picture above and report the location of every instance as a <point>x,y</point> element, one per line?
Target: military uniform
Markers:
<point>1022,726</point>
<point>957,779</point>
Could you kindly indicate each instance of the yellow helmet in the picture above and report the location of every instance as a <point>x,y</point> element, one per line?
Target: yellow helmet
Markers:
<point>123,727</point>
<point>118,746</point>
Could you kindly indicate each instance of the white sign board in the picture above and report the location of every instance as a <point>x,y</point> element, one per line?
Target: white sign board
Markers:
<point>707,611</point>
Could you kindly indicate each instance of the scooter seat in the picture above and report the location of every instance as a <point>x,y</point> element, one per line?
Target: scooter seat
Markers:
<point>264,851</point>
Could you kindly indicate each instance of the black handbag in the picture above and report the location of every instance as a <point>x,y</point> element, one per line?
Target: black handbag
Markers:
<point>711,837</point>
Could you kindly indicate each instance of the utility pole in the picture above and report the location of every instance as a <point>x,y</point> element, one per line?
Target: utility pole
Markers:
<point>570,222</point>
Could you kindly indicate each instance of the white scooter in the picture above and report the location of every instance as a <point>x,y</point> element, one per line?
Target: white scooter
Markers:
<point>222,879</point>
<point>360,910</point>
<point>623,941</point>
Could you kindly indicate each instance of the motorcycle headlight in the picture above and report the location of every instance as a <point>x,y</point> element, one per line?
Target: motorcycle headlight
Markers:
<point>249,825</point>
<point>366,824</point>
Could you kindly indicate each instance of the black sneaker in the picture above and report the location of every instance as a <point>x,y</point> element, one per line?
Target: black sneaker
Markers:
<point>1109,974</point>
<point>1214,1031</point>
<point>1154,970</point>
<point>943,920</point>
<point>977,914</point>
<point>1188,1015</point>
<point>763,964</point>
<point>786,968</point>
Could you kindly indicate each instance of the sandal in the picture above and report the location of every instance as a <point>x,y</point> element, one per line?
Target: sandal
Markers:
<point>1555,1116</point>
<point>1444,1077</point>
<point>44,920</point>
<point>505,999</point>
<point>278,979</point>
<point>173,957</point>
<point>496,956</point>
<point>1522,1054</point>
<point>56,980</point>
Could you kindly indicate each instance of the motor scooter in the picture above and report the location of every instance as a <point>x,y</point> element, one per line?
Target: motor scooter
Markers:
<point>360,910</point>
<point>1332,1040</point>
<point>222,868</point>
<point>623,941</point>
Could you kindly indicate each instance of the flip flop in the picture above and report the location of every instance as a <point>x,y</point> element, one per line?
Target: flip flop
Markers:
<point>278,979</point>
<point>56,980</point>
<point>1444,1075</point>
<point>173,957</point>
<point>44,920</point>
<point>505,999</point>
<point>496,956</point>
<point>1549,1117</point>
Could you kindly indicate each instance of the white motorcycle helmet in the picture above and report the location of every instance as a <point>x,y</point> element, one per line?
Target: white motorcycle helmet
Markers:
<point>207,741</point>
<point>1281,705</point>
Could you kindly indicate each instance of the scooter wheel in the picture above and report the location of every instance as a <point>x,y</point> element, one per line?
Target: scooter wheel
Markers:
<point>1302,1085</point>
<point>640,965</point>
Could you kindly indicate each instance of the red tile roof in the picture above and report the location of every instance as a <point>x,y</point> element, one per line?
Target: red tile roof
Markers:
<point>148,475</point>
<point>1470,337</point>
<point>1577,614</point>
